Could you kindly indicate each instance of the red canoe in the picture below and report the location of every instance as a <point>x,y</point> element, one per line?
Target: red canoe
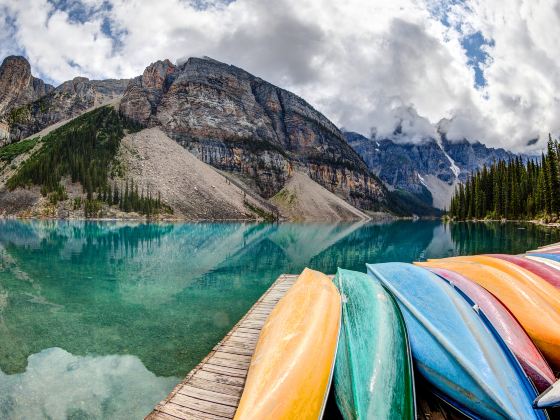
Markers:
<point>544,271</point>
<point>515,337</point>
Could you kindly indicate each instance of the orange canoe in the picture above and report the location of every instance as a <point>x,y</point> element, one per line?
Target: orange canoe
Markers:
<point>534,302</point>
<point>292,366</point>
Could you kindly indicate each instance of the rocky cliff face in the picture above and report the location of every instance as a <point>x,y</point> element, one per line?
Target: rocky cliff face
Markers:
<point>17,84</point>
<point>17,87</point>
<point>242,124</point>
<point>428,169</point>
<point>68,100</point>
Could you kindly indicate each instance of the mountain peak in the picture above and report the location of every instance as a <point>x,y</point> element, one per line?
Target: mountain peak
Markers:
<point>16,61</point>
<point>155,74</point>
<point>17,84</point>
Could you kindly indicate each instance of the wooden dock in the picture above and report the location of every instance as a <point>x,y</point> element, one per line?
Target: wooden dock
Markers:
<point>212,390</point>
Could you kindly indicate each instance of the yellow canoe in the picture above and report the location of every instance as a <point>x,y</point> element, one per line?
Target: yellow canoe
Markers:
<point>534,302</point>
<point>291,369</point>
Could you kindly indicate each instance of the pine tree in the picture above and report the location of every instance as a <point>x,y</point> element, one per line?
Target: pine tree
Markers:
<point>553,181</point>
<point>116,198</point>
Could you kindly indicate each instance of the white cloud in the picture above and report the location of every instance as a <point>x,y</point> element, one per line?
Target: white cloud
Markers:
<point>361,62</point>
<point>59,385</point>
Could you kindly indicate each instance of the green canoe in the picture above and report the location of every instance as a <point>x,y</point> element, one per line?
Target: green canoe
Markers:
<point>373,376</point>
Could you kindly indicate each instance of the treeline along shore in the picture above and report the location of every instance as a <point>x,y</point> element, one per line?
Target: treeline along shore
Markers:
<point>512,190</point>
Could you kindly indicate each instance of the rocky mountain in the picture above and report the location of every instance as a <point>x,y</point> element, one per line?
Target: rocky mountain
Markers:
<point>17,87</point>
<point>233,143</point>
<point>429,169</point>
<point>246,126</point>
<point>258,142</point>
<point>28,105</point>
<point>76,169</point>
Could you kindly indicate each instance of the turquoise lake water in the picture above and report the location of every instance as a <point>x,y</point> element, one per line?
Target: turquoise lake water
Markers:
<point>100,320</point>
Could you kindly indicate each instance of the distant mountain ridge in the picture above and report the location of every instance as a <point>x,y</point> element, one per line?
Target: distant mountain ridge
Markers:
<point>428,169</point>
<point>256,134</point>
<point>28,105</point>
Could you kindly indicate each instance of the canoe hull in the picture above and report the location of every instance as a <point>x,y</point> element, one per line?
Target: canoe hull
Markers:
<point>291,369</point>
<point>532,301</point>
<point>454,349</point>
<point>542,270</point>
<point>530,358</point>
<point>373,350</point>
<point>553,257</point>
<point>548,262</point>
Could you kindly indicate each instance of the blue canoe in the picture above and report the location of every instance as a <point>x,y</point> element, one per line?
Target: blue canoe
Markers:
<point>553,257</point>
<point>455,348</point>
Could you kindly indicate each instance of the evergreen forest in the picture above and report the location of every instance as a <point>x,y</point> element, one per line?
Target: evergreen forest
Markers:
<point>513,189</point>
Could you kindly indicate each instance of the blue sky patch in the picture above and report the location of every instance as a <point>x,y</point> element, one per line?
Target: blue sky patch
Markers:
<point>473,44</point>
<point>474,47</point>
<point>77,11</point>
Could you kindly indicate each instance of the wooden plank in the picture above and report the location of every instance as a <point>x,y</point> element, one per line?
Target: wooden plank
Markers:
<point>238,349</point>
<point>249,331</point>
<point>181,412</point>
<point>157,415</point>
<point>198,382</point>
<point>210,396</point>
<point>259,317</point>
<point>244,341</point>
<point>204,406</point>
<point>254,332</point>
<point>212,367</point>
<point>236,364</point>
<point>232,356</point>
<point>241,344</point>
<point>220,379</point>
<point>254,325</point>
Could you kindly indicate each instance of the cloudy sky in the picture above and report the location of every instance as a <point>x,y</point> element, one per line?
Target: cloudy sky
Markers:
<point>491,68</point>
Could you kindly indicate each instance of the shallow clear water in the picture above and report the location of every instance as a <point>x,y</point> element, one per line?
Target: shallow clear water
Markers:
<point>101,320</point>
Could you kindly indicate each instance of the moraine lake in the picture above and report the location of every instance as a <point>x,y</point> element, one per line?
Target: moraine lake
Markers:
<point>102,319</point>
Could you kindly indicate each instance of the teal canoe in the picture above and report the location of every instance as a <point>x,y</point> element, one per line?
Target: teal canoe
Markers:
<point>373,375</point>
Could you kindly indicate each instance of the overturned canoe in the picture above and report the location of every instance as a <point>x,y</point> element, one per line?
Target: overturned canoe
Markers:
<point>544,271</point>
<point>454,349</point>
<point>546,261</point>
<point>530,358</point>
<point>553,257</point>
<point>373,377</point>
<point>549,398</point>
<point>291,369</point>
<point>531,300</point>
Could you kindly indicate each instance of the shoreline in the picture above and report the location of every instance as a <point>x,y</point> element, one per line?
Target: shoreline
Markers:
<point>535,222</point>
<point>134,217</point>
<point>387,218</point>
